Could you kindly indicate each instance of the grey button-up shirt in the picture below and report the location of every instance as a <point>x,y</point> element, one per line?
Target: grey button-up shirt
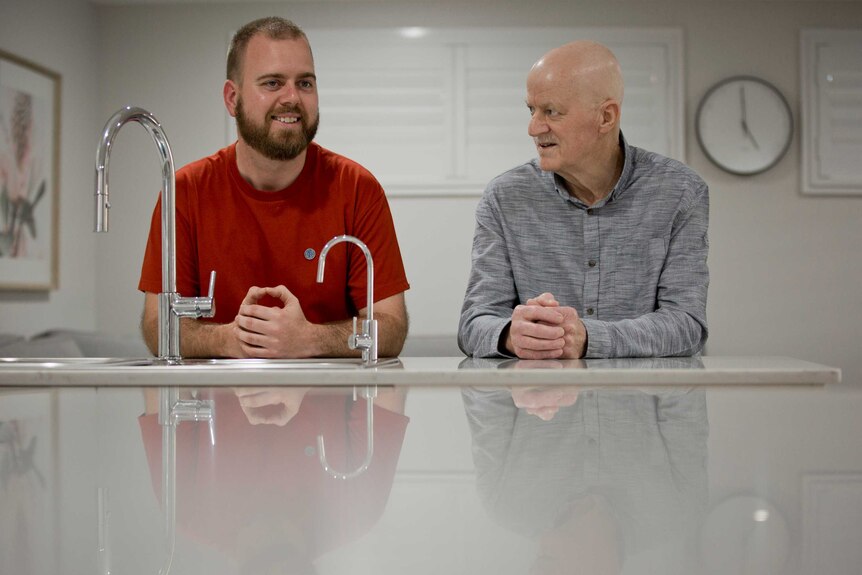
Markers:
<point>633,265</point>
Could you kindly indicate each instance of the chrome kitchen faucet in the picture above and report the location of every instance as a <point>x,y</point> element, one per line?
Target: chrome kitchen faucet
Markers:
<point>367,339</point>
<point>171,305</point>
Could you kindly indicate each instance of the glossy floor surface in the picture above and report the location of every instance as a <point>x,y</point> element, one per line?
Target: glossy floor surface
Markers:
<point>475,480</point>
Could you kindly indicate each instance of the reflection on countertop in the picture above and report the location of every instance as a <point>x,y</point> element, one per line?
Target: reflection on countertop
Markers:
<point>258,491</point>
<point>503,480</point>
<point>611,481</point>
<point>630,363</point>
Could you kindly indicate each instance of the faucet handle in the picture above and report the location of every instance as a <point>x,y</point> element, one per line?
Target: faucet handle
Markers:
<point>211,294</point>
<point>196,306</point>
<point>208,309</point>
<point>351,341</point>
<point>206,306</point>
<point>362,340</point>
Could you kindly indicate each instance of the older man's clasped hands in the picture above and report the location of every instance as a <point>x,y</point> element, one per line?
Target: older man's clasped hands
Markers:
<point>543,329</point>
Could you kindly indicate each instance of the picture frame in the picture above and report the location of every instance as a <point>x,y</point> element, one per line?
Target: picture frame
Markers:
<point>29,175</point>
<point>29,466</point>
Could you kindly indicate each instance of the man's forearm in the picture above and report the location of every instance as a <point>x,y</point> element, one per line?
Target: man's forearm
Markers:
<point>197,338</point>
<point>206,339</point>
<point>662,333</point>
<point>331,338</point>
<point>391,333</point>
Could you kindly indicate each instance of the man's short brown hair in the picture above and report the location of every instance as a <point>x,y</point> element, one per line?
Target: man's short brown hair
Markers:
<point>273,27</point>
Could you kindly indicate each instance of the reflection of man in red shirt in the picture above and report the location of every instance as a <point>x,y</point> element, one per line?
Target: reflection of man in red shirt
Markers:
<point>260,494</point>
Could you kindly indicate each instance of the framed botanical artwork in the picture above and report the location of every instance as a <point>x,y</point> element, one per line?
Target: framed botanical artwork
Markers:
<point>29,174</point>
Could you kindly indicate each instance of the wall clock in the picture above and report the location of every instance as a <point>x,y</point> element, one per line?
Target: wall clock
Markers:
<point>744,125</point>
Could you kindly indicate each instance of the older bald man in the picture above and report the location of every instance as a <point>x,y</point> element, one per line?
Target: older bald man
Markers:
<point>596,248</point>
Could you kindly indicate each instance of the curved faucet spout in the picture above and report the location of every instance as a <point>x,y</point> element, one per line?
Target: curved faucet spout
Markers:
<point>369,267</point>
<point>103,201</point>
<point>171,305</point>
<point>367,340</point>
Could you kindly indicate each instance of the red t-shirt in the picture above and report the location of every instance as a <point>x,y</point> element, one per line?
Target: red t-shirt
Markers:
<point>255,238</point>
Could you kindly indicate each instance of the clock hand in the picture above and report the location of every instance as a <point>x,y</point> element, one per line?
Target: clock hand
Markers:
<point>745,129</point>
<point>750,135</point>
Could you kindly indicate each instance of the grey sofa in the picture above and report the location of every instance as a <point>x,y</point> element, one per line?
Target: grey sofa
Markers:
<point>72,343</point>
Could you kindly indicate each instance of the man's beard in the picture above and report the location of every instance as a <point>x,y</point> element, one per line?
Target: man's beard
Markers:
<point>285,146</point>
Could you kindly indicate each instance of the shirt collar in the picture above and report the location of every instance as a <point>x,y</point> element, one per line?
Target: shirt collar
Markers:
<point>619,188</point>
<point>628,167</point>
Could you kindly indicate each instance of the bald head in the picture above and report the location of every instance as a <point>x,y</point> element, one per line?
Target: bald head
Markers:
<point>588,68</point>
<point>574,94</point>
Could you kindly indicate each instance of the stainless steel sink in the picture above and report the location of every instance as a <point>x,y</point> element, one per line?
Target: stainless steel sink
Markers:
<point>71,362</point>
<point>313,363</point>
<point>61,363</point>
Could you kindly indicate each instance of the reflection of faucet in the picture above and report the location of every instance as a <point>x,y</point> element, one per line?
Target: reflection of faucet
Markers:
<point>173,411</point>
<point>171,305</point>
<point>367,340</point>
<point>368,393</point>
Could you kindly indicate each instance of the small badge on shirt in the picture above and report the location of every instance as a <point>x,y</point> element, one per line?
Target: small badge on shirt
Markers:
<point>309,254</point>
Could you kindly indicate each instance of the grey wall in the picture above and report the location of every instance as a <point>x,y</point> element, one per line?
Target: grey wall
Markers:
<point>785,267</point>
<point>61,35</point>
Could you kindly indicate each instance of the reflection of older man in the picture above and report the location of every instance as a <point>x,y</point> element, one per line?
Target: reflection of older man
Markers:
<point>596,248</point>
<point>613,483</point>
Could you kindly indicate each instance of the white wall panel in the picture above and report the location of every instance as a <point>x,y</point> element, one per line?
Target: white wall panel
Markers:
<point>831,111</point>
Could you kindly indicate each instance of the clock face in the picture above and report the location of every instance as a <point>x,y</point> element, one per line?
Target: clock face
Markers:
<point>744,125</point>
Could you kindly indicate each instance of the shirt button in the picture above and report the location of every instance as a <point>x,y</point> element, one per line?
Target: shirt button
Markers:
<point>589,211</point>
<point>592,263</point>
<point>589,311</point>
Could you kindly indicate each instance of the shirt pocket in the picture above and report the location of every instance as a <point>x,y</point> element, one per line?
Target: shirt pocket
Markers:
<point>638,266</point>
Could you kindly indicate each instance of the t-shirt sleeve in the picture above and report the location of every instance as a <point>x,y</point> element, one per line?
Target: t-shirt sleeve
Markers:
<point>151,269</point>
<point>186,268</point>
<point>374,226</point>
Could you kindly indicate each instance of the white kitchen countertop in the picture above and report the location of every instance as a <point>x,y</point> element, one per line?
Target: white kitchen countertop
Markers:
<point>440,371</point>
<point>673,465</point>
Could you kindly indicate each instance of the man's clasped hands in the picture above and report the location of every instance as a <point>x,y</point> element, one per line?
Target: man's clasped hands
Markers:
<point>543,329</point>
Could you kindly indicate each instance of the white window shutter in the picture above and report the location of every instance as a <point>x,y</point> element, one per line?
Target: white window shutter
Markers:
<point>439,112</point>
